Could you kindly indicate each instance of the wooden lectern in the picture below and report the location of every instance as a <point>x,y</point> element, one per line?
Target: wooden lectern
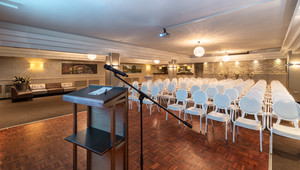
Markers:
<point>106,135</point>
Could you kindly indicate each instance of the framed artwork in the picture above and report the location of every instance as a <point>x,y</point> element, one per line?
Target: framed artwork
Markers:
<point>74,68</point>
<point>132,68</point>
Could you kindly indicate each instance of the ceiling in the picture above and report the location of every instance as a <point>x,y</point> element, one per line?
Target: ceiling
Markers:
<point>232,25</point>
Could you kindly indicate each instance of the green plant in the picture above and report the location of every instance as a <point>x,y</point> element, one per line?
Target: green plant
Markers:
<point>20,80</point>
<point>236,74</point>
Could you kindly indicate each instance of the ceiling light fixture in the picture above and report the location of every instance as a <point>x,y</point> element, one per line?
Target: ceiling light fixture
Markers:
<point>199,51</point>
<point>92,56</point>
<point>164,34</point>
<point>156,61</point>
<point>226,57</point>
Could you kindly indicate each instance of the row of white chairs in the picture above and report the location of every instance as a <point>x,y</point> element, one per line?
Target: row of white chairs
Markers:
<point>285,108</point>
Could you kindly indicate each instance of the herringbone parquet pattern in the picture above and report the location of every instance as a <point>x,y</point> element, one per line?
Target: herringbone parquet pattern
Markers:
<point>167,145</point>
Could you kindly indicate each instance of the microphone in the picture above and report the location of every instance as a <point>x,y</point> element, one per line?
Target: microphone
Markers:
<point>116,71</point>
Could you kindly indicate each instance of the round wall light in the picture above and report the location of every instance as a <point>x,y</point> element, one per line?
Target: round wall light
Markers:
<point>92,56</point>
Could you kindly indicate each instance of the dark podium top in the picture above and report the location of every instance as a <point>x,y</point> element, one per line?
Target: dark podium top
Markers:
<point>83,97</point>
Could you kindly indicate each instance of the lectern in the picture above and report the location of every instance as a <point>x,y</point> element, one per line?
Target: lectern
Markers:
<point>106,135</point>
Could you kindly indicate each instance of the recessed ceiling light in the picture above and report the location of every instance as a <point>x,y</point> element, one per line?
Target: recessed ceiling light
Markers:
<point>156,61</point>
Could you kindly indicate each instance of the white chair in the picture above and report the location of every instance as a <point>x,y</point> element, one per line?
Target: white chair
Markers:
<point>204,87</point>
<point>211,93</point>
<point>194,88</point>
<point>221,102</point>
<point>253,107</point>
<point>233,95</point>
<point>133,97</point>
<point>181,96</point>
<point>170,94</point>
<point>154,95</point>
<point>221,88</point>
<point>199,98</point>
<point>144,89</point>
<point>120,84</point>
<point>288,110</point>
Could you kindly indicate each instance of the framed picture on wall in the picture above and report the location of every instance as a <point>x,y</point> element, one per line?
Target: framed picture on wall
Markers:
<point>78,68</point>
<point>132,68</point>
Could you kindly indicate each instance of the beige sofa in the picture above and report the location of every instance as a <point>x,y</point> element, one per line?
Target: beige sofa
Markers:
<point>38,89</point>
<point>68,87</point>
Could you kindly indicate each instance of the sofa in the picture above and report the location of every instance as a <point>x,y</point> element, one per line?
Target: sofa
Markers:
<point>38,89</point>
<point>68,87</point>
<point>54,88</point>
<point>15,94</point>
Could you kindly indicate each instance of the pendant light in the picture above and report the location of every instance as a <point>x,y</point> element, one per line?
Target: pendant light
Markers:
<point>199,51</point>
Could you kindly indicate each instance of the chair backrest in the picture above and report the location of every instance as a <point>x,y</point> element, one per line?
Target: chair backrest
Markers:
<point>222,101</point>
<point>194,88</point>
<point>221,88</point>
<point>181,95</point>
<point>144,88</point>
<point>250,105</point>
<point>183,85</point>
<point>204,87</point>
<point>171,88</point>
<point>200,97</point>
<point>232,93</point>
<point>211,91</point>
<point>286,109</point>
<point>161,87</point>
<point>154,91</point>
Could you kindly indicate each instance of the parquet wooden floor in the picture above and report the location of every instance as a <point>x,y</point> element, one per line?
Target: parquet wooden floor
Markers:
<point>167,145</point>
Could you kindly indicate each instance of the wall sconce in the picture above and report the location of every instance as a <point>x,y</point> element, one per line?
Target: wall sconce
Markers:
<point>156,61</point>
<point>148,67</point>
<point>205,63</point>
<point>160,68</point>
<point>278,60</point>
<point>294,64</point>
<point>189,67</point>
<point>255,61</point>
<point>221,63</point>
<point>115,65</point>
<point>237,63</point>
<point>37,66</point>
<point>92,56</point>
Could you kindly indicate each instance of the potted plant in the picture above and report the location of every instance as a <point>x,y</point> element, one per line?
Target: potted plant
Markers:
<point>21,83</point>
<point>251,75</point>
<point>236,74</point>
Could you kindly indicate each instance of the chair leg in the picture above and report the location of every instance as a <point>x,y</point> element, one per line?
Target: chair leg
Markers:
<point>205,125</point>
<point>237,130</point>
<point>226,130</point>
<point>166,115</point>
<point>260,141</point>
<point>191,118</point>
<point>271,142</point>
<point>150,108</point>
<point>233,131</point>
<point>179,117</point>
<point>200,122</point>
<point>230,126</point>
<point>211,121</point>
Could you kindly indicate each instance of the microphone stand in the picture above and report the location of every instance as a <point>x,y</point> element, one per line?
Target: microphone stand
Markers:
<point>141,98</point>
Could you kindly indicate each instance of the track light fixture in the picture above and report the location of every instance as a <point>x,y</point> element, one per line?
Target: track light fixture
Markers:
<point>164,34</point>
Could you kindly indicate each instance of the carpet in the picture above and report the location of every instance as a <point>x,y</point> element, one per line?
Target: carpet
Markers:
<point>40,108</point>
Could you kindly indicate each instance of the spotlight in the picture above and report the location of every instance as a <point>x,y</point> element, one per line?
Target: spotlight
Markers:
<point>165,33</point>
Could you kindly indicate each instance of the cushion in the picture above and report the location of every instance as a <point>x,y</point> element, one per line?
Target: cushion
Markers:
<point>69,89</point>
<point>221,117</point>
<point>248,123</point>
<point>69,84</point>
<point>286,131</point>
<point>52,85</point>
<point>37,86</point>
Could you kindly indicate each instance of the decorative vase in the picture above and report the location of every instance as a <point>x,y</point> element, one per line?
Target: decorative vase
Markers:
<point>21,86</point>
